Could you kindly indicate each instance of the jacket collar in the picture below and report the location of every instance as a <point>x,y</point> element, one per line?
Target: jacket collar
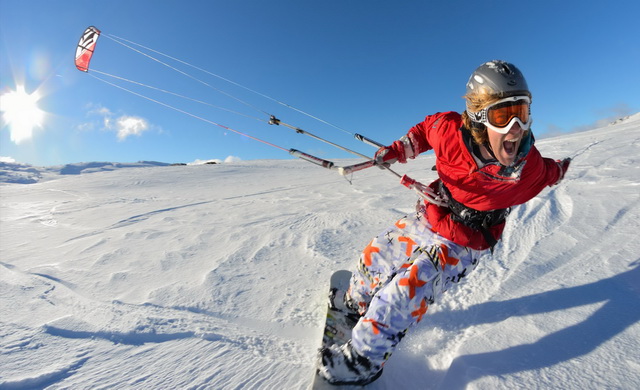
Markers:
<point>494,168</point>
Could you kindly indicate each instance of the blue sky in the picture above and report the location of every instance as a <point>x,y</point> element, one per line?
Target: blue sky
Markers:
<point>370,67</point>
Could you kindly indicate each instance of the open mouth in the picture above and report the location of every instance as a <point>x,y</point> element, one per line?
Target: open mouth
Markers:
<point>510,146</point>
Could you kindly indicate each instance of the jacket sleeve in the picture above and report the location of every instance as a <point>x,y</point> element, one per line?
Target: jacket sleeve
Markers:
<point>416,141</point>
<point>554,171</point>
<point>540,172</point>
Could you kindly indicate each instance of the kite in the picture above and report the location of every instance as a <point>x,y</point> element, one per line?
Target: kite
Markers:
<point>85,48</point>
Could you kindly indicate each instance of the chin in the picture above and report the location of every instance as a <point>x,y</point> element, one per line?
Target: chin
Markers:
<point>507,161</point>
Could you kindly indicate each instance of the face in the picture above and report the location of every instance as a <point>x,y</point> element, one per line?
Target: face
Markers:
<point>505,146</point>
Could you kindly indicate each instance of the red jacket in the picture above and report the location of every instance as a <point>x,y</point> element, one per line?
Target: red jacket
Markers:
<point>485,186</point>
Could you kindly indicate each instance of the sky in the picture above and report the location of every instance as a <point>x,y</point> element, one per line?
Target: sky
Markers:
<point>369,67</point>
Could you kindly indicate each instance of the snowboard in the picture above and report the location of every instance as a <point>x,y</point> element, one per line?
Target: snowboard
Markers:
<point>338,325</point>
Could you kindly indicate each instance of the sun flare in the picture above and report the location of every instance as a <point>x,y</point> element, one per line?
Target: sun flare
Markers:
<point>21,112</point>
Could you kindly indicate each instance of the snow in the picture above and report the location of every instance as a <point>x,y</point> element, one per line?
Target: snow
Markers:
<point>213,276</point>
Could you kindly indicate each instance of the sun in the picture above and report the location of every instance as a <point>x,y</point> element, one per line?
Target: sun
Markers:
<point>21,112</point>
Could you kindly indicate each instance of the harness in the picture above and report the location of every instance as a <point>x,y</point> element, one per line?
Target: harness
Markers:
<point>475,219</point>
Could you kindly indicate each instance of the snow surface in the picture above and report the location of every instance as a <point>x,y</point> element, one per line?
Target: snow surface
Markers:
<point>214,276</point>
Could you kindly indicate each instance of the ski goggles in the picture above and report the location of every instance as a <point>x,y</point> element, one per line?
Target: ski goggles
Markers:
<point>501,115</point>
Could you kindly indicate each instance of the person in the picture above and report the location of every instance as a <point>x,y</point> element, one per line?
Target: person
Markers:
<point>486,163</point>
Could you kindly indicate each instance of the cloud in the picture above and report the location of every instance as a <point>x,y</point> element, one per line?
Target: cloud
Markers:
<point>607,116</point>
<point>5,159</point>
<point>99,110</point>
<point>229,159</point>
<point>130,125</point>
<point>123,125</point>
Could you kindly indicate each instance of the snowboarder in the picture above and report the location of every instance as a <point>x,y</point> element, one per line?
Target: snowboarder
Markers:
<point>486,162</point>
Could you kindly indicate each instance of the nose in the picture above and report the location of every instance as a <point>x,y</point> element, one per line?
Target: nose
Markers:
<point>515,129</point>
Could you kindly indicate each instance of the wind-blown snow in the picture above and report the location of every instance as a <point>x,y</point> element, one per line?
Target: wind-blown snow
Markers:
<point>214,276</point>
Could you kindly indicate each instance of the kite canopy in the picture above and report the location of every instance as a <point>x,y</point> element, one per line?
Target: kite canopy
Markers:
<point>85,48</point>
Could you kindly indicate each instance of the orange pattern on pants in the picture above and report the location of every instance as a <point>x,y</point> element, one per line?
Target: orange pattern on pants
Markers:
<point>410,270</point>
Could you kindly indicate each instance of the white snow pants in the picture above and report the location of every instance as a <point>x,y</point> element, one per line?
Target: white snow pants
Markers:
<point>400,273</point>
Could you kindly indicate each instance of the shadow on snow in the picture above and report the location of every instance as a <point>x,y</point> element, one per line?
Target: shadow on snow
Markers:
<point>620,310</point>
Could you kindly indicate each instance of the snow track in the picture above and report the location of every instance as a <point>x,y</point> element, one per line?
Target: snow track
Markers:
<point>212,277</point>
